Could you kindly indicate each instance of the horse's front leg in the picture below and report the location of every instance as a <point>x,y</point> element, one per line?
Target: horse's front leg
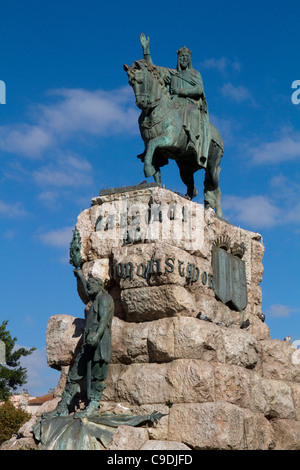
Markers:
<point>153,144</point>
<point>157,175</point>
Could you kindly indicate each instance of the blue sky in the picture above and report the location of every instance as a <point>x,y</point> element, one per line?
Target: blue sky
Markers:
<point>69,128</point>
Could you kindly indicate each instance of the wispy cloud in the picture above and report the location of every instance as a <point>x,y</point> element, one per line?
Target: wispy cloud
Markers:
<point>12,210</point>
<point>279,310</point>
<point>60,238</point>
<point>254,211</point>
<point>68,171</point>
<point>99,112</point>
<point>277,151</point>
<point>237,93</point>
<point>25,139</point>
<point>221,64</point>
<point>71,113</point>
<point>50,199</point>
<point>280,207</point>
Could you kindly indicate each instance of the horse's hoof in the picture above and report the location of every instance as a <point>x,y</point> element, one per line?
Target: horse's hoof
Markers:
<point>192,195</point>
<point>149,170</point>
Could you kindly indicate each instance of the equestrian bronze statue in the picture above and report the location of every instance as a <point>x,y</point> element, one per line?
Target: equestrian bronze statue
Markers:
<point>174,123</point>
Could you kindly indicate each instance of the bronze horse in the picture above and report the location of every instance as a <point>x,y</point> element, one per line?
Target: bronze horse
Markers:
<point>165,138</point>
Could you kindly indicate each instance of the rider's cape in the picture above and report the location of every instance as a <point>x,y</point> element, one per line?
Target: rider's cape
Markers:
<point>194,110</point>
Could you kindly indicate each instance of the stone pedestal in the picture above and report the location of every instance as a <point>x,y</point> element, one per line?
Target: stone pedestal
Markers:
<point>221,381</point>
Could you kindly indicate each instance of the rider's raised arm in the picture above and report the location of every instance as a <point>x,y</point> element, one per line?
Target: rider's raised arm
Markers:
<point>79,275</point>
<point>145,45</point>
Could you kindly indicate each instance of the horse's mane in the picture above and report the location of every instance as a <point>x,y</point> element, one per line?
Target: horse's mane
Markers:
<point>154,71</point>
<point>151,68</point>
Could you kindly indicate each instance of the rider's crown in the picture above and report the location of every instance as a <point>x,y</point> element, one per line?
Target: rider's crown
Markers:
<point>184,49</point>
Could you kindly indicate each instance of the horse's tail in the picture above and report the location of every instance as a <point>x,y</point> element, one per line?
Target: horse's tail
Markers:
<point>216,137</point>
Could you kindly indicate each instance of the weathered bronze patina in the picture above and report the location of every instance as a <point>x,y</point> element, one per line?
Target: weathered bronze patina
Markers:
<point>174,123</point>
<point>75,247</point>
<point>230,284</point>
<point>94,357</point>
<point>86,433</point>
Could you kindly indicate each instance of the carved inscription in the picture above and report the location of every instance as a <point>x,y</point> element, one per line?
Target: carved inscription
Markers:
<point>128,223</point>
<point>159,267</point>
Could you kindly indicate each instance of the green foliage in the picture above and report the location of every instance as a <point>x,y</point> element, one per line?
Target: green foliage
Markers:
<point>14,375</point>
<point>11,419</point>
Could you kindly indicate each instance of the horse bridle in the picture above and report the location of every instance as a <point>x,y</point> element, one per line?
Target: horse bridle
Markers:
<point>144,83</point>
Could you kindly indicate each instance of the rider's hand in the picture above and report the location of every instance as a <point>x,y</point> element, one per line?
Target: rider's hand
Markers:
<point>174,90</point>
<point>144,41</point>
<point>91,341</point>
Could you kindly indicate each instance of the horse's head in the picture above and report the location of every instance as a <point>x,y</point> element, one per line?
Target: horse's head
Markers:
<point>138,79</point>
<point>145,83</point>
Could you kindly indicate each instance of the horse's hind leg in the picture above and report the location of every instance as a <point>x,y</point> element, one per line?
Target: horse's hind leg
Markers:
<point>212,192</point>
<point>187,176</point>
<point>157,174</point>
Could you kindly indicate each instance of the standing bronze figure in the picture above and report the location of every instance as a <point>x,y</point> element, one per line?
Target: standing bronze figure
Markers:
<point>93,359</point>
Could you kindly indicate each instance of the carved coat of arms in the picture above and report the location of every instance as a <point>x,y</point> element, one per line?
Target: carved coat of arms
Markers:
<point>229,273</point>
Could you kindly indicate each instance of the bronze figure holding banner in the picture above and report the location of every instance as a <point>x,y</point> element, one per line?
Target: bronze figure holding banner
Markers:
<point>94,357</point>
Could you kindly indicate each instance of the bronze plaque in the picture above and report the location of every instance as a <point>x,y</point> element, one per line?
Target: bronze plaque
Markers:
<point>230,284</point>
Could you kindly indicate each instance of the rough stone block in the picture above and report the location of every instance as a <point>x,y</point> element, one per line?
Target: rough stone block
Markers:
<point>23,443</point>
<point>128,438</point>
<point>143,383</point>
<point>257,253</point>
<point>97,268</point>
<point>240,347</point>
<point>160,340</point>
<point>232,385</point>
<point>277,360</point>
<point>129,341</point>
<point>279,399</point>
<point>258,328</point>
<point>287,434</point>
<point>295,388</point>
<point>197,339</point>
<point>190,380</point>
<point>182,380</point>
<point>110,393</point>
<point>220,426</point>
<point>151,303</point>
<point>245,388</point>
<point>63,338</point>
